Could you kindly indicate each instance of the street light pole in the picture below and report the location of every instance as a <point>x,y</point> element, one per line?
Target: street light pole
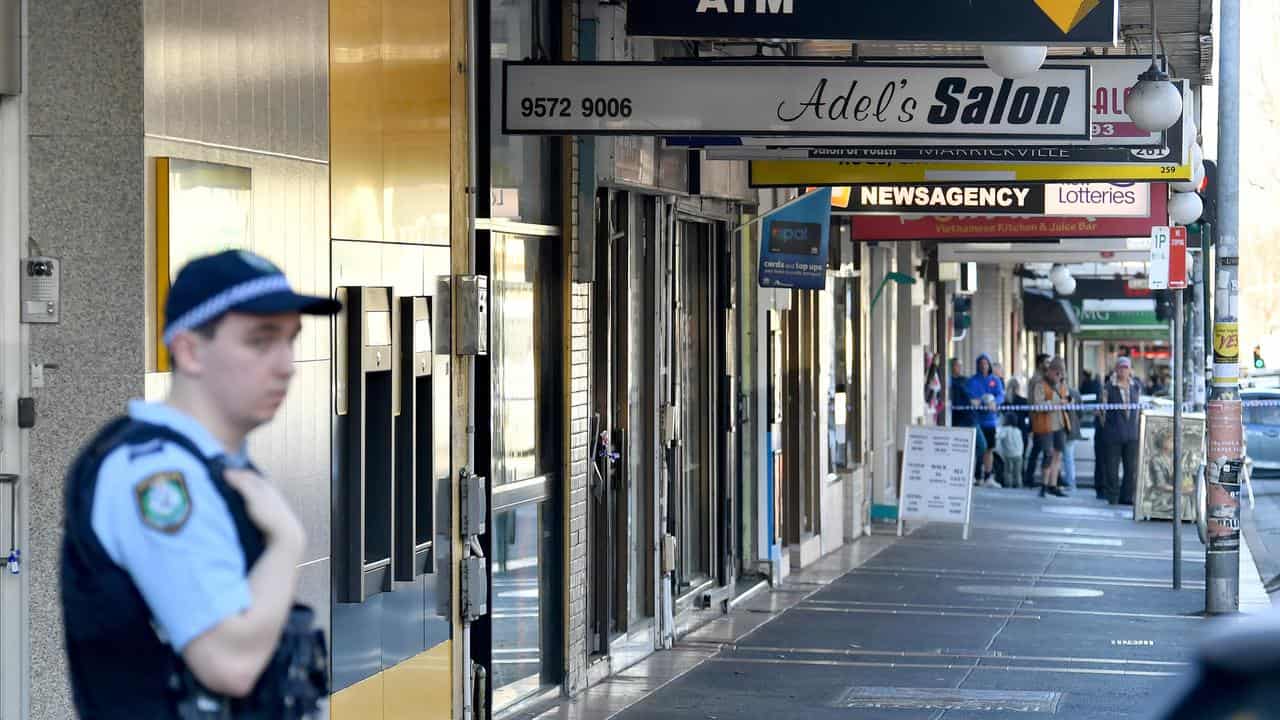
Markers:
<point>1225,450</point>
<point>1178,368</point>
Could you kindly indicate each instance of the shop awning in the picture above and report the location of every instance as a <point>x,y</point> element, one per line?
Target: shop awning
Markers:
<point>1042,312</point>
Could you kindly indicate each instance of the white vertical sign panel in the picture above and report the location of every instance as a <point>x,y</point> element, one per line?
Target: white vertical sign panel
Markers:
<point>937,475</point>
<point>1158,273</point>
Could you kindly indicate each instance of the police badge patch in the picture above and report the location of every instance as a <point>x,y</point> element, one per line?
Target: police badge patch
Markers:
<point>163,501</point>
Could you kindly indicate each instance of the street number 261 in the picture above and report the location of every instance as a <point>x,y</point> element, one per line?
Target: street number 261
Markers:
<point>599,107</point>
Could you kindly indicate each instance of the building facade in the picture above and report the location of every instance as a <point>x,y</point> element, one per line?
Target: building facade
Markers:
<point>657,435</point>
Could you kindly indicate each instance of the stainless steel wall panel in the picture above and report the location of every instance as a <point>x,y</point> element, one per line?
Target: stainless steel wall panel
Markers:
<point>291,452</point>
<point>239,73</point>
<point>290,222</point>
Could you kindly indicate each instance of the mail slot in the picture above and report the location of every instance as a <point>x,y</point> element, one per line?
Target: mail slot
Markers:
<point>366,406</point>
<point>416,432</point>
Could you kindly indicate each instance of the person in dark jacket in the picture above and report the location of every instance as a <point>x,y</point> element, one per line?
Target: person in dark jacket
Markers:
<point>958,396</point>
<point>1120,434</point>
<point>987,389</point>
<point>1014,417</point>
<point>961,413</point>
<point>1089,384</point>
<point>1099,447</point>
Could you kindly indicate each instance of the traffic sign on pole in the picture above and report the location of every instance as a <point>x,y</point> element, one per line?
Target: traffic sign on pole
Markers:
<point>1158,273</point>
<point>1177,258</point>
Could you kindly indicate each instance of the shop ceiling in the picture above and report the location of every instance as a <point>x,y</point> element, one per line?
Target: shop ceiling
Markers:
<point>1185,29</point>
<point>1093,250</point>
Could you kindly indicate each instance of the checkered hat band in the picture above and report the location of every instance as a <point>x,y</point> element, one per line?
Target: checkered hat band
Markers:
<point>224,301</point>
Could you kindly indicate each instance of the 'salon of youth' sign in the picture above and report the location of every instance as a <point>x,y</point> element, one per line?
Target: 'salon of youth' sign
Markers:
<point>767,98</point>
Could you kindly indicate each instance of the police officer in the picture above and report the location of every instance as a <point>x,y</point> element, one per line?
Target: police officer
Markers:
<point>180,560</point>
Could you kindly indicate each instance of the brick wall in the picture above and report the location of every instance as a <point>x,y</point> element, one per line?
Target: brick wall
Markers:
<point>579,374</point>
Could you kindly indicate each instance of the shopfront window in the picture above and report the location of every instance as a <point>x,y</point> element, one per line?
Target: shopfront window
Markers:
<point>523,182</point>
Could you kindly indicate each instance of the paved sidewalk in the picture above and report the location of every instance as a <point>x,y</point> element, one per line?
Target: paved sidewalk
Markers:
<point>1053,608</point>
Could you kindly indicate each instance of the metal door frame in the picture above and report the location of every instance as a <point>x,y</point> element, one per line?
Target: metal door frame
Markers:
<point>543,490</point>
<point>720,377</point>
<point>15,642</point>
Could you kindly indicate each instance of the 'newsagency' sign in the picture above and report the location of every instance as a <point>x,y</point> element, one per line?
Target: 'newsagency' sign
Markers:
<point>1028,199</point>
<point>1043,22</point>
<point>874,100</point>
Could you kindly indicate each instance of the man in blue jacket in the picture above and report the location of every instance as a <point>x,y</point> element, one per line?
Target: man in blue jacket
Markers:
<point>986,393</point>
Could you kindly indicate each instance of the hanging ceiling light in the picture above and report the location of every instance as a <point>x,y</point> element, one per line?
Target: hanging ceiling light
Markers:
<point>1154,104</point>
<point>1014,61</point>
<point>1067,286</point>
<point>1185,208</point>
<point>1061,281</point>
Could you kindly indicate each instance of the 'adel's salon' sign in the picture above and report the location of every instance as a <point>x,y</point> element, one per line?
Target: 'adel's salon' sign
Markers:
<point>761,98</point>
<point>1044,22</point>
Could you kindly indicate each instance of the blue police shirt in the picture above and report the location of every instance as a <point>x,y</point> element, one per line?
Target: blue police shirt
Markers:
<point>188,565</point>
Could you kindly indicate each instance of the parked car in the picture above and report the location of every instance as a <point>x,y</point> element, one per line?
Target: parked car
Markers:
<point>1262,433</point>
<point>1261,379</point>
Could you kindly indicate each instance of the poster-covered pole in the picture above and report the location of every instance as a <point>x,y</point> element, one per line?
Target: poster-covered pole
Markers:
<point>1225,454</point>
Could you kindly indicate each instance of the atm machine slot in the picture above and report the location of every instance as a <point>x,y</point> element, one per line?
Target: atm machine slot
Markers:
<point>364,492</point>
<point>415,449</point>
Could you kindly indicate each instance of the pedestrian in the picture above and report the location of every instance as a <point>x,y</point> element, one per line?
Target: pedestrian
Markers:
<point>180,560</point>
<point>933,387</point>
<point>1033,449</point>
<point>1010,448</point>
<point>1017,414</point>
<point>1120,424</point>
<point>1074,435</point>
<point>962,414</point>
<point>958,396</point>
<point>1089,384</point>
<point>1049,425</point>
<point>1100,461</point>
<point>986,394</point>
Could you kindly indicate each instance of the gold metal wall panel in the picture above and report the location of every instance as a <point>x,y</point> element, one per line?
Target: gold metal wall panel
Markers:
<point>356,119</point>
<point>415,122</point>
<point>389,99</point>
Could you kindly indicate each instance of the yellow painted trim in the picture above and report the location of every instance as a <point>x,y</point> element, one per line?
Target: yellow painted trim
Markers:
<point>162,259</point>
<point>419,688</point>
<point>793,173</point>
<point>459,262</point>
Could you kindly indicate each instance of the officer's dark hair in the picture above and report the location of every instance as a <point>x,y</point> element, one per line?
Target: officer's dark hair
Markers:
<point>206,331</point>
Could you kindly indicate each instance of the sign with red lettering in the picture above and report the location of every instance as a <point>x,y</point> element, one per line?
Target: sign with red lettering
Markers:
<point>967,228</point>
<point>1177,258</point>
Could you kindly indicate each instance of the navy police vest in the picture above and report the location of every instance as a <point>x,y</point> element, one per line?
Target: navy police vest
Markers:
<point>119,667</point>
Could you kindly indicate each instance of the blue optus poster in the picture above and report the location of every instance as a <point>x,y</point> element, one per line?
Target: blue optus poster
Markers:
<point>794,243</point>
